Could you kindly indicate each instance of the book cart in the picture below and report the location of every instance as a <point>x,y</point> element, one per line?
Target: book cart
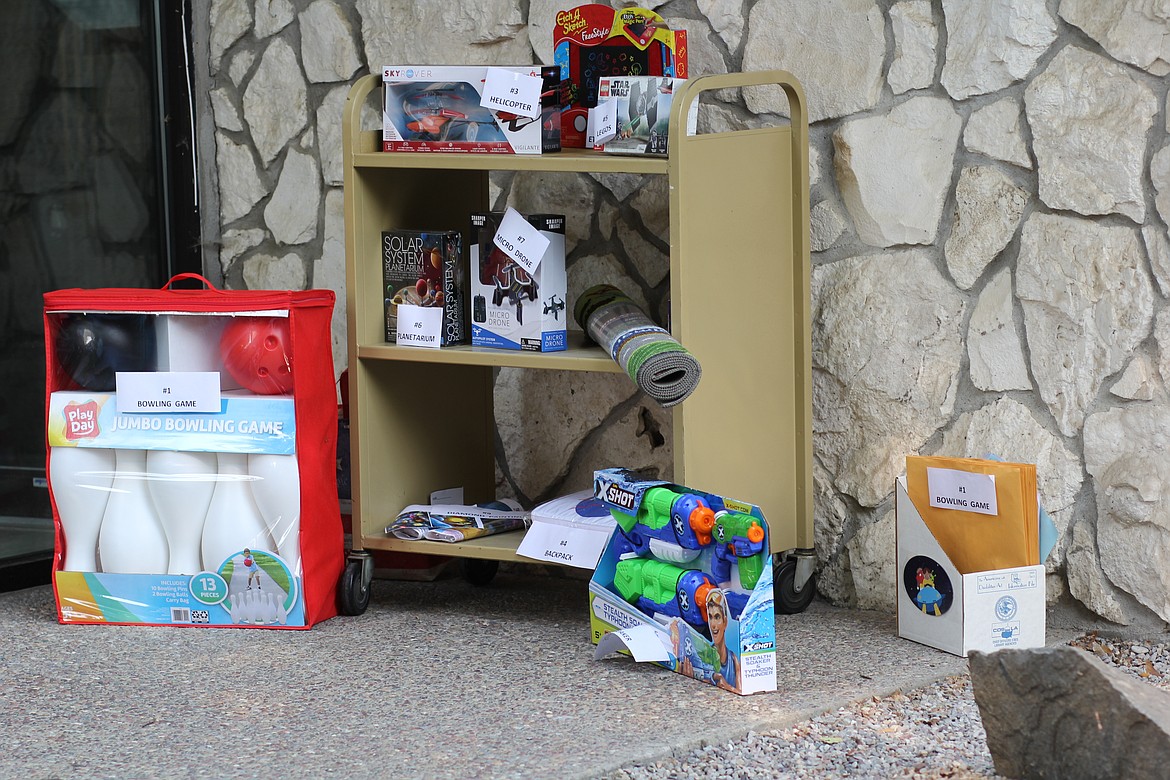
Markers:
<point>422,419</point>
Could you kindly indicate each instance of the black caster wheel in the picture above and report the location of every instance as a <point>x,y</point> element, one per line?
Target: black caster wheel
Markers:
<point>479,572</point>
<point>788,601</point>
<point>353,590</point>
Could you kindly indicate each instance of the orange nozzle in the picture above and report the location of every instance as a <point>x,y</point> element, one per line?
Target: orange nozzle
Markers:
<point>702,521</point>
<point>701,597</point>
<point>755,533</point>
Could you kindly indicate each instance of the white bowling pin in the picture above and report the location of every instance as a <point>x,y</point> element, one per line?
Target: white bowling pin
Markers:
<point>246,606</point>
<point>132,540</point>
<point>181,486</point>
<point>281,614</point>
<point>233,521</point>
<point>81,478</point>
<point>277,490</point>
<point>235,610</point>
<point>270,614</point>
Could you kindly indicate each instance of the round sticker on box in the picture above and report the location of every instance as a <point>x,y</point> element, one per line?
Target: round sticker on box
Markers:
<point>928,585</point>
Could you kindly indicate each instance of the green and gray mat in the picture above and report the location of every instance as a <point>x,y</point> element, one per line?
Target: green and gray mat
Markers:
<point>649,354</point>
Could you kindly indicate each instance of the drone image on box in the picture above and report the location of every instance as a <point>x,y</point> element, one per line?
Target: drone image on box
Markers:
<point>509,278</point>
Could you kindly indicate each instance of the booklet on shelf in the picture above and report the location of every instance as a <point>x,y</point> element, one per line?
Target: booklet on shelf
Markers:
<point>455,522</point>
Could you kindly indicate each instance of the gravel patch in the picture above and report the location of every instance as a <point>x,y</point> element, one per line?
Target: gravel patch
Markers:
<point>932,732</point>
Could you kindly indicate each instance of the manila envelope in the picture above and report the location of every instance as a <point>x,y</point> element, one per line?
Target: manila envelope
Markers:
<point>984,513</point>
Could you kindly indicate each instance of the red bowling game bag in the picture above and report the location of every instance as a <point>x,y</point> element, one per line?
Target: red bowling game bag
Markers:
<point>192,439</point>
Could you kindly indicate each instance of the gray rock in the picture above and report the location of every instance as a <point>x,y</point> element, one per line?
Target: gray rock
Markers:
<point>275,102</point>
<point>327,47</point>
<point>1061,713</point>
<point>915,41</point>
<point>20,60</point>
<point>993,43</point>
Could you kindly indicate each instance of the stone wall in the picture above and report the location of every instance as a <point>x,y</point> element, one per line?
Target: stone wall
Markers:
<point>990,192</point>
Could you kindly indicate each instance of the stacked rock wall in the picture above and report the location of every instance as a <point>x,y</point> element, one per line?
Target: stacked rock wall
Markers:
<point>990,194</point>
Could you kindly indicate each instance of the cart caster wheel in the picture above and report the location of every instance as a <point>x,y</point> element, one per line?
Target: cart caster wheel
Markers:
<point>479,572</point>
<point>354,590</point>
<point>788,601</point>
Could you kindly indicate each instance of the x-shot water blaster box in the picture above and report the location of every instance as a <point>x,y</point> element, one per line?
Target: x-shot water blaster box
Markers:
<point>693,571</point>
<point>594,40</point>
<point>437,108</point>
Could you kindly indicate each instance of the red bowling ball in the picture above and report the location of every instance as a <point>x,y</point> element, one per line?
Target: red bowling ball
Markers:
<point>257,352</point>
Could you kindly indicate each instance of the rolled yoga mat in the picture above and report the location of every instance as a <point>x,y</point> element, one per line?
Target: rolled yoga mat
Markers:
<point>649,354</point>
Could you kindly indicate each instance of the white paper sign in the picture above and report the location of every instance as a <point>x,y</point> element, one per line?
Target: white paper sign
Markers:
<point>516,93</point>
<point>420,326</point>
<point>602,125</point>
<point>556,543</point>
<point>645,643</point>
<point>167,391</point>
<point>954,489</point>
<point>448,496</point>
<point>519,240</point>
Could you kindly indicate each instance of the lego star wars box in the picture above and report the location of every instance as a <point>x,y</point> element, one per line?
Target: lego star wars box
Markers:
<point>594,40</point>
<point>642,112</point>
<point>424,268</point>
<point>510,307</point>
<point>685,582</point>
<point>437,109</point>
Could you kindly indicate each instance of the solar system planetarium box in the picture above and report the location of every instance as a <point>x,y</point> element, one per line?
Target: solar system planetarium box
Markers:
<point>192,456</point>
<point>685,582</point>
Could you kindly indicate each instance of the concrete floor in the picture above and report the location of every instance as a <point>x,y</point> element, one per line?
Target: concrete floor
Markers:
<point>436,680</point>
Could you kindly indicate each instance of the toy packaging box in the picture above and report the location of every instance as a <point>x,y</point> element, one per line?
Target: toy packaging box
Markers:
<point>511,308</point>
<point>594,40</point>
<point>425,268</point>
<point>970,572</point>
<point>643,112</point>
<point>436,108</point>
<point>177,502</point>
<point>693,570</point>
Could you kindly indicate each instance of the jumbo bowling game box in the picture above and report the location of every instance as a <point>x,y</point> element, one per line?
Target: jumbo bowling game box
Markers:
<point>182,492</point>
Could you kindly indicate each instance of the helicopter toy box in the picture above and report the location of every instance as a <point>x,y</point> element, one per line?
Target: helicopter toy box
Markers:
<point>594,40</point>
<point>511,307</point>
<point>438,109</point>
<point>685,582</point>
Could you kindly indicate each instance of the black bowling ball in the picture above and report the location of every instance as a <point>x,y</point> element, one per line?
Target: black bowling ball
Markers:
<point>92,348</point>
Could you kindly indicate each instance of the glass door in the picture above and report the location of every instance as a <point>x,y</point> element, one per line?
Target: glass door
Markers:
<point>88,198</point>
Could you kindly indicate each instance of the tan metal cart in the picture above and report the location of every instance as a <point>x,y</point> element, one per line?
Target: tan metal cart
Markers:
<point>739,291</point>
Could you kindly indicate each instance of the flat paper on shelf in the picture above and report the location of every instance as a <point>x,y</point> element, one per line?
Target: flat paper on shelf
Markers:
<point>571,530</point>
<point>564,545</point>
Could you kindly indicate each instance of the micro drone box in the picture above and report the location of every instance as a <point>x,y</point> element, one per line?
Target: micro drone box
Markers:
<point>943,608</point>
<point>437,109</point>
<point>594,40</point>
<point>685,582</point>
<point>510,308</point>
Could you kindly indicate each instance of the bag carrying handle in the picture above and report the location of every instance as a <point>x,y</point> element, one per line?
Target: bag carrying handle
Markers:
<point>189,275</point>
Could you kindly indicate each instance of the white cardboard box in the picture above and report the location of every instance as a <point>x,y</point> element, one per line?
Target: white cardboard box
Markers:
<point>188,342</point>
<point>958,613</point>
